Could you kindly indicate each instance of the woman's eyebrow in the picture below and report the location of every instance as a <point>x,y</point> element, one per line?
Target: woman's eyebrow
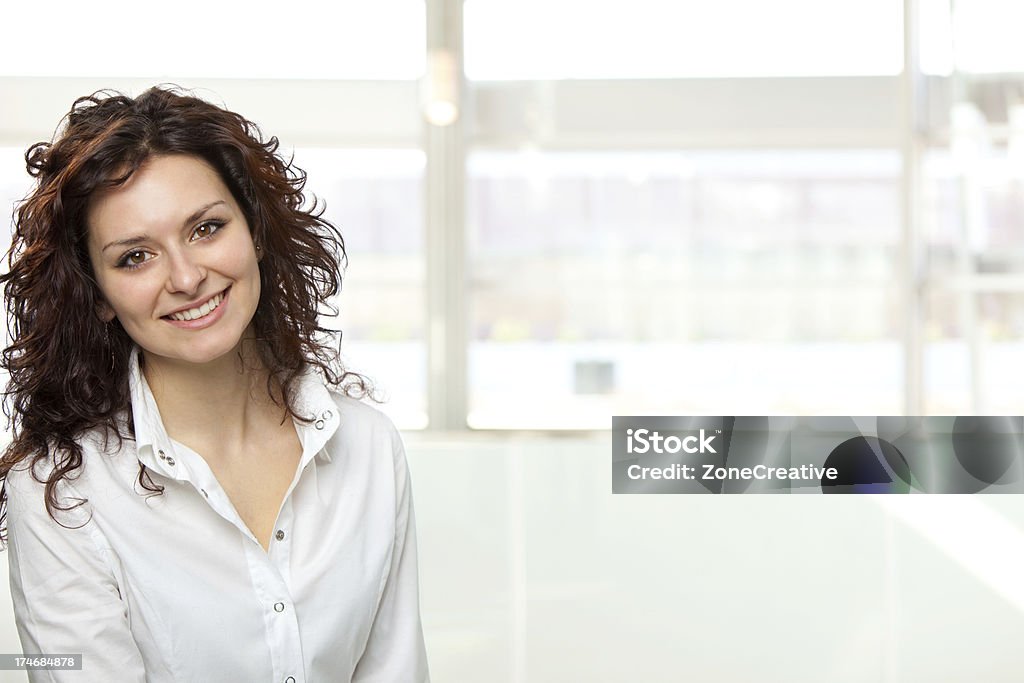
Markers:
<point>126,242</point>
<point>142,238</point>
<point>200,211</point>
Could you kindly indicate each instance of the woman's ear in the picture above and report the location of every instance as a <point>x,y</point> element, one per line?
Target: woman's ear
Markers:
<point>104,312</point>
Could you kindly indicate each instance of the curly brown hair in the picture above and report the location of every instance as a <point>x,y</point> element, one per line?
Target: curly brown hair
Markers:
<point>68,370</point>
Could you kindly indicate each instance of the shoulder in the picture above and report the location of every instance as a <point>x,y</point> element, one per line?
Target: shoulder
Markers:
<point>359,412</point>
<point>368,447</point>
<point>353,431</point>
<point>99,463</point>
<point>25,490</point>
<point>24,485</point>
<point>359,420</point>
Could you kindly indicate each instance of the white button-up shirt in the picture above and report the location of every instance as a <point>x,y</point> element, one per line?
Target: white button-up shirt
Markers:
<point>174,587</point>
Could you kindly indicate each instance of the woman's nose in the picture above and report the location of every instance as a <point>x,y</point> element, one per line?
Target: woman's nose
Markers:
<point>185,274</point>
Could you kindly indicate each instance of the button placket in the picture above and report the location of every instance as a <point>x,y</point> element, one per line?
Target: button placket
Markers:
<point>285,641</point>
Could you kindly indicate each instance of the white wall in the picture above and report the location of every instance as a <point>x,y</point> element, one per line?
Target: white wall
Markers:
<point>532,570</point>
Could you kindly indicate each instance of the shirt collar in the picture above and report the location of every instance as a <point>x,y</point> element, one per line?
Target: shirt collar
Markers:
<point>313,402</point>
<point>151,441</point>
<point>155,449</point>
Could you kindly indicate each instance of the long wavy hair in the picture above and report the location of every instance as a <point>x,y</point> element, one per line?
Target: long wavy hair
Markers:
<point>68,369</point>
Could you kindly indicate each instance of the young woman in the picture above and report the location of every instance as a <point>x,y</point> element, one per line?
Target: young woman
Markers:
<point>193,492</point>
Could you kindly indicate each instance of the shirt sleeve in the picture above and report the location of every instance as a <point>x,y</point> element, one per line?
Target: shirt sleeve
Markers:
<point>395,650</point>
<point>66,600</point>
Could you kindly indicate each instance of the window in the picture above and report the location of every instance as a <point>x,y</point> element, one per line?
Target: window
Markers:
<point>552,39</point>
<point>307,39</point>
<point>974,325</point>
<point>984,35</point>
<point>374,198</point>
<point>682,283</point>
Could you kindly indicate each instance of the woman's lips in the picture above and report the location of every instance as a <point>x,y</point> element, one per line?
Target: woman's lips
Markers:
<point>205,321</point>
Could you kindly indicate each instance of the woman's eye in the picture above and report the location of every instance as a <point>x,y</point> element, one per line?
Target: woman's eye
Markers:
<point>205,229</point>
<point>133,259</point>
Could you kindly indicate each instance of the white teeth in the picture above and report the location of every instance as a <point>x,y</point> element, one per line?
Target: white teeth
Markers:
<point>199,311</point>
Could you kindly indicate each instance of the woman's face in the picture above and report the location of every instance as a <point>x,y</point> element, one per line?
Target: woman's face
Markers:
<point>174,260</point>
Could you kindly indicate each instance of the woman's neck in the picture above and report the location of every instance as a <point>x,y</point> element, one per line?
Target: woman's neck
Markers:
<point>223,402</point>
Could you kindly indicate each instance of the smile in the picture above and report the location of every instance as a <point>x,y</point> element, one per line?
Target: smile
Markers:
<point>202,315</point>
<point>201,311</point>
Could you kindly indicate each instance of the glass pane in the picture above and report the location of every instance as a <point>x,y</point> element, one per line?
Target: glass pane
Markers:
<point>311,39</point>
<point>973,354</point>
<point>974,234</point>
<point>551,39</point>
<point>935,36</point>
<point>697,283</point>
<point>974,213</point>
<point>375,200</point>
<point>979,36</point>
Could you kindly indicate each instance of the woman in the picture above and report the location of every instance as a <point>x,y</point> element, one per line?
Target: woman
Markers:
<point>193,492</point>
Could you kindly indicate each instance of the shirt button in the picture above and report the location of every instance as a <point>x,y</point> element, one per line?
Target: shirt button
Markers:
<point>278,606</point>
<point>319,424</point>
<point>166,458</point>
<point>205,494</point>
<point>328,415</point>
<point>279,535</point>
<point>289,680</point>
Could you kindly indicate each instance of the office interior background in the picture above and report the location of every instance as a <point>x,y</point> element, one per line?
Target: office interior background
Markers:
<point>558,211</point>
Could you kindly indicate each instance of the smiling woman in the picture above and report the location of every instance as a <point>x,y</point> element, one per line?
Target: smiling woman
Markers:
<point>190,270</point>
<point>194,490</point>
